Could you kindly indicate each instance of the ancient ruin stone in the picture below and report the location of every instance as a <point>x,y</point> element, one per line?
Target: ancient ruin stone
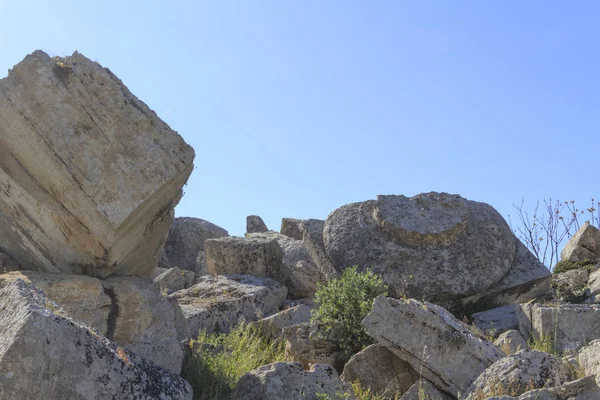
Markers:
<point>291,227</point>
<point>89,175</point>
<point>584,245</point>
<point>255,224</point>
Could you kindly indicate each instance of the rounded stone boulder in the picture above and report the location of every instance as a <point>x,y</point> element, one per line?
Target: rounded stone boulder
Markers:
<point>433,246</point>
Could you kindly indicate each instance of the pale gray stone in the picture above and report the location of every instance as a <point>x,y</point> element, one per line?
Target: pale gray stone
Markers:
<point>291,227</point>
<point>584,245</point>
<point>89,175</point>
<point>520,372</point>
<point>7,264</point>
<point>593,283</point>
<point>379,370</point>
<point>272,327</point>
<point>425,390</point>
<point>219,303</point>
<point>255,224</point>
<point>511,342</point>
<point>568,326</point>
<point>175,279</point>
<point>44,354</point>
<point>589,358</point>
<point>497,320</point>
<point>432,246</point>
<point>310,343</point>
<point>312,240</point>
<point>287,380</point>
<point>186,238</point>
<point>443,349</point>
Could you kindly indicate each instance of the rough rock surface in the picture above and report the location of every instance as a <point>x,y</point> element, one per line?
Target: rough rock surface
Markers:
<point>255,224</point>
<point>253,256</point>
<point>520,372</point>
<point>287,380</point>
<point>497,320</point>
<point>44,354</point>
<point>272,327</point>
<point>89,175</point>
<point>291,227</point>
<point>511,342</point>
<point>219,303</point>
<point>308,343</point>
<point>7,264</point>
<point>573,325</point>
<point>128,310</point>
<point>589,358</point>
<point>568,286</point>
<point>432,341</point>
<point>431,246</point>
<point>186,238</point>
<point>584,245</point>
<point>303,274</point>
<point>380,371</point>
<point>581,389</point>
<point>424,390</point>
<point>313,241</point>
<point>175,279</point>
<point>593,283</point>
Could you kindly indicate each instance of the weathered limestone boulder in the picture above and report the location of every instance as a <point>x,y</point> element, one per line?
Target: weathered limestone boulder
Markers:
<point>520,372</point>
<point>584,245</point>
<point>593,283</point>
<point>436,344</point>
<point>186,238</point>
<point>272,327</point>
<point>433,247</point>
<point>581,389</point>
<point>511,342</point>
<point>424,390</point>
<point>569,285</point>
<point>219,303</point>
<point>89,175</point>
<point>253,256</point>
<point>175,279</point>
<point>380,371</point>
<point>312,240</point>
<point>303,274</point>
<point>44,354</point>
<point>291,227</point>
<point>589,358</point>
<point>497,320</point>
<point>309,343</point>
<point>569,326</point>
<point>128,310</point>
<point>255,224</point>
<point>287,380</point>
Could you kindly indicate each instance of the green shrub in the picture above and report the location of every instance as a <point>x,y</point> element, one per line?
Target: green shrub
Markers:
<point>564,266</point>
<point>214,368</point>
<point>342,305</point>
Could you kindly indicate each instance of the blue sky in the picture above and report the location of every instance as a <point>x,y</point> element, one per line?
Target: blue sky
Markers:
<point>297,107</point>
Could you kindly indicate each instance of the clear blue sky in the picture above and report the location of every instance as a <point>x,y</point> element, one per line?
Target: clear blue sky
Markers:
<point>297,107</point>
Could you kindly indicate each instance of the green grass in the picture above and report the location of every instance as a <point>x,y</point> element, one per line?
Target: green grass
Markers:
<point>213,370</point>
<point>564,266</point>
<point>544,343</point>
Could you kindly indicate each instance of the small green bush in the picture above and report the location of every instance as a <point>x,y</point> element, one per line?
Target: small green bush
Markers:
<point>214,368</point>
<point>342,305</point>
<point>564,266</point>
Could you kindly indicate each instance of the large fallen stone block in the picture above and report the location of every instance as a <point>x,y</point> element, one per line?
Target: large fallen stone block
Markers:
<point>255,224</point>
<point>287,380</point>
<point>89,175</point>
<point>497,320</point>
<point>291,227</point>
<point>44,354</point>
<point>425,390</point>
<point>186,239</point>
<point>584,245</point>
<point>434,246</point>
<point>128,310</point>
<point>379,370</point>
<point>589,358</point>
<point>272,327</point>
<point>511,342</point>
<point>310,343</point>
<point>518,373</point>
<point>219,303</point>
<point>568,326</point>
<point>175,279</point>
<point>436,344</point>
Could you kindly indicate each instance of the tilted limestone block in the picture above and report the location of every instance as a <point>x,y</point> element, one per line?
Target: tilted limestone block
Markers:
<point>434,246</point>
<point>520,372</point>
<point>291,227</point>
<point>568,326</point>
<point>497,320</point>
<point>380,371</point>
<point>425,390</point>
<point>255,224</point>
<point>175,279</point>
<point>44,354</point>
<point>435,343</point>
<point>287,380</point>
<point>589,358</point>
<point>186,239</point>
<point>272,327</point>
<point>584,245</point>
<point>89,175</point>
<point>220,303</point>
<point>128,310</point>
<point>511,342</point>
